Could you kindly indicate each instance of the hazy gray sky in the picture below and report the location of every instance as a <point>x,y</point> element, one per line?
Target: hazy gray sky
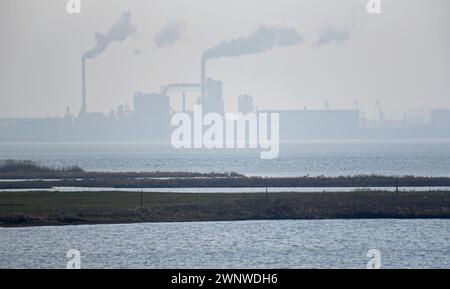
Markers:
<point>400,57</point>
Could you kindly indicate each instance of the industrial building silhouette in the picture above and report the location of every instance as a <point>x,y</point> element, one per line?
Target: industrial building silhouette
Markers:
<point>149,120</point>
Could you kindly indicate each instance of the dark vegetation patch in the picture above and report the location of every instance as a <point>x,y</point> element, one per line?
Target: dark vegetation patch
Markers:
<point>52,208</point>
<point>39,176</point>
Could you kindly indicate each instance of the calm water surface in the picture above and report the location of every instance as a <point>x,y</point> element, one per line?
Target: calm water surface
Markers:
<point>253,244</point>
<point>330,158</point>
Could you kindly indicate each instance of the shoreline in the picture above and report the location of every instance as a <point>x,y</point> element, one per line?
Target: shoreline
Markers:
<point>213,180</point>
<point>31,209</point>
<point>202,221</point>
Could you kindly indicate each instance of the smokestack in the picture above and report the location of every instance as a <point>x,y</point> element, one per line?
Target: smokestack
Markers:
<point>119,32</point>
<point>264,38</point>
<point>203,78</point>
<point>83,86</point>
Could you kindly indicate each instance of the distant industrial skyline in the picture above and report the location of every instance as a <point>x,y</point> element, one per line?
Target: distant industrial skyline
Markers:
<point>399,57</point>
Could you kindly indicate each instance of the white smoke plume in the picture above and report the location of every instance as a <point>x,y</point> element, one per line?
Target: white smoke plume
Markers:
<point>330,34</point>
<point>121,30</point>
<point>264,38</point>
<point>170,34</point>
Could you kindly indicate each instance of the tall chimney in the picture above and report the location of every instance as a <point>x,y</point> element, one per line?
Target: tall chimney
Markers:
<point>203,78</point>
<point>83,86</point>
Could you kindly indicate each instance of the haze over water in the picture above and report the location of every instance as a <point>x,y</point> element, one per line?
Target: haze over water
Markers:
<point>329,158</point>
